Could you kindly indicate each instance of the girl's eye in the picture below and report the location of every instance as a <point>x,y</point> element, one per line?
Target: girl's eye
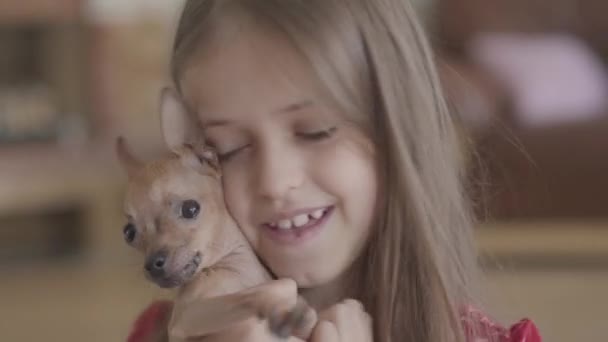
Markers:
<point>190,209</point>
<point>130,232</point>
<point>226,156</point>
<point>319,135</point>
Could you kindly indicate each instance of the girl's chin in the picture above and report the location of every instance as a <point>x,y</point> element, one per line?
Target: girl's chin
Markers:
<point>305,279</point>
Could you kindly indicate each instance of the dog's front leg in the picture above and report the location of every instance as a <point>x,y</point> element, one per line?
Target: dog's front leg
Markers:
<point>208,316</point>
<point>277,301</point>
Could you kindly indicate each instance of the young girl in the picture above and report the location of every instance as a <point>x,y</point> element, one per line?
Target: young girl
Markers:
<point>340,162</point>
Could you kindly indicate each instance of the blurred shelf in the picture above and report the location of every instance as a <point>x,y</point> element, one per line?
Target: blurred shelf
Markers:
<point>45,176</point>
<point>39,178</point>
<point>37,11</point>
<point>546,243</point>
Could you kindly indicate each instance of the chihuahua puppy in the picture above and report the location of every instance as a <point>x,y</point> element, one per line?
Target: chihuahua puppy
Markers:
<point>178,219</point>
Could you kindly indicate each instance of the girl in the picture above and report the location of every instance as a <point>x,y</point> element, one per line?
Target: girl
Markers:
<point>339,162</point>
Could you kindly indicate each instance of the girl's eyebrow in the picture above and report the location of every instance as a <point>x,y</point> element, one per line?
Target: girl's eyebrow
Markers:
<point>294,107</point>
<point>206,124</point>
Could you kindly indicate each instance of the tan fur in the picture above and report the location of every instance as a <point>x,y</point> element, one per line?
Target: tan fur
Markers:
<point>222,291</point>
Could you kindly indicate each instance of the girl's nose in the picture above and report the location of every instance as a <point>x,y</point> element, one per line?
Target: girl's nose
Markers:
<point>279,171</point>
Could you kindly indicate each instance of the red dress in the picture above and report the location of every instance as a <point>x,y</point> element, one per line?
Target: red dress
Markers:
<point>478,327</point>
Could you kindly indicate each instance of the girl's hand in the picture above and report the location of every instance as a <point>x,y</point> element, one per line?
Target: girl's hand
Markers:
<point>344,322</point>
<point>288,316</point>
<point>287,313</point>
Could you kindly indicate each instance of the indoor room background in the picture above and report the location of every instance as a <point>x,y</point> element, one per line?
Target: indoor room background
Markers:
<point>527,82</point>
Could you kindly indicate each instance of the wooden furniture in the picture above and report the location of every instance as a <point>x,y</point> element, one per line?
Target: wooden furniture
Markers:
<point>69,170</point>
<point>39,11</point>
<point>44,180</point>
<point>529,172</point>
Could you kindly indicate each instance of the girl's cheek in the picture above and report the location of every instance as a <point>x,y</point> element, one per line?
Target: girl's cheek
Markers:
<point>236,187</point>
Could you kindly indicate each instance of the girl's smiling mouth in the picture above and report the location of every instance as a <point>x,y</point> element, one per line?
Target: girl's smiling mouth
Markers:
<point>297,228</point>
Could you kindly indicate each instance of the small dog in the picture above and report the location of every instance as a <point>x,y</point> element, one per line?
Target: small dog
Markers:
<point>178,219</point>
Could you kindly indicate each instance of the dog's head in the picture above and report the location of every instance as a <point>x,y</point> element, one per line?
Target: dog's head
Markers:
<point>174,206</point>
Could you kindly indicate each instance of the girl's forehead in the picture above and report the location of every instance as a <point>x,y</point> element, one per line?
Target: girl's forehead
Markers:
<point>253,70</point>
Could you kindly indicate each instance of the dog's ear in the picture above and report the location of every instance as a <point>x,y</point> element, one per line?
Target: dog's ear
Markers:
<point>177,126</point>
<point>126,158</point>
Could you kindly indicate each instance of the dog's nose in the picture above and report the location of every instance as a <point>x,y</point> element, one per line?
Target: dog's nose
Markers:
<point>155,265</point>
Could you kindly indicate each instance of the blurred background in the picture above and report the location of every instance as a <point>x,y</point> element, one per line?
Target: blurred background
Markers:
<point>527,81</point>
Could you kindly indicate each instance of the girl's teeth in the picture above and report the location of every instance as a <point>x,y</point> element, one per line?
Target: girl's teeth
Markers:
<point>318,214</point>
<point>300,220</point>
<point>285,224</point>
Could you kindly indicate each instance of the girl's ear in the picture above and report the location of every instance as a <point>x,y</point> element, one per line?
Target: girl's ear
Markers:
<point>126,158</point>
<point>177,126</point>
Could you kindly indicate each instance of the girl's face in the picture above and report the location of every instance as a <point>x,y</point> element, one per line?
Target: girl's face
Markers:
<point>298,179</point>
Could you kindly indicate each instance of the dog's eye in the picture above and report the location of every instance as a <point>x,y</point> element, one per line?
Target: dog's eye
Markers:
<point>130,232</point>
<point>190,209</point>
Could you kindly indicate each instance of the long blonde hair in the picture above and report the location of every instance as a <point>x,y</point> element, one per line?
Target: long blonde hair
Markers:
<point>373,58</point>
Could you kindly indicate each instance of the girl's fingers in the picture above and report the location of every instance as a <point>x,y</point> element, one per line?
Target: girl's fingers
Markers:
<point>325,331</point>
<point>350,321</point>
<point>277,296</point>
<point>298,322</point>
<point>287,313</point>
<point>306,321</point>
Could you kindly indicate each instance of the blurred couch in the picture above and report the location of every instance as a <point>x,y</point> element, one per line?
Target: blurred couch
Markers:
<point>529,81</point>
